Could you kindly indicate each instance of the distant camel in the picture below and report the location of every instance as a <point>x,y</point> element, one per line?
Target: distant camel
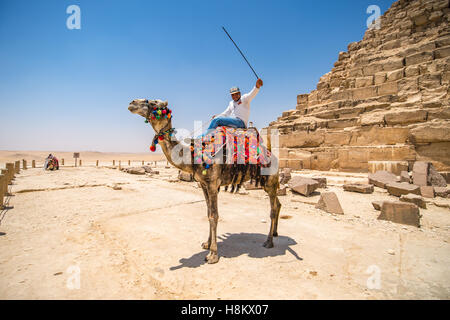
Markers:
<point>217,175</point>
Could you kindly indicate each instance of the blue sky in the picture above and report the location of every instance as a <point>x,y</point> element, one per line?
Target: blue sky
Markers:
<point>68,90</point>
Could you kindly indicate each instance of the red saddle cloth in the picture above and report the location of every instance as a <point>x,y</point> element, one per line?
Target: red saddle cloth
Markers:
<point>240,146</point>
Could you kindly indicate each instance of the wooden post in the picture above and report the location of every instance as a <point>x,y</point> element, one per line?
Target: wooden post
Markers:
<point>10,168</point>
<point>5,173</point>
<point>96,164</point>
<point>80,162</point>
<point>33,163</point>
<point>142,162</point>
<point>62,161</point>
<point>129,162</point>
<point>120,166</point>
<point>2,189</point>
<point>17,166</point>
<point>24,164</point>
<point>114,162</point>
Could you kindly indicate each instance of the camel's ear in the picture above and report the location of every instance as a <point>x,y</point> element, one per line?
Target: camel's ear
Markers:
<point>164,103</point>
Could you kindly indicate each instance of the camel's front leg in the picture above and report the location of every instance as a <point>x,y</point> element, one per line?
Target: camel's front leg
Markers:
<point>213,217</point>
<point>207,244</point>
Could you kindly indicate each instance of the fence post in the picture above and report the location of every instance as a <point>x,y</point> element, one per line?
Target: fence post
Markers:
<point>62,161</point>
<point>120,166</point>
<point>10,168</point>
<point>80,162</point>
<point>33,163</point>
<point>24,164</point>
<point>129,162</point>
<point>17,166</point>
<point>96,163</point>
<point>114,162</point>
<point>142,162</point>
<point>2,189</point>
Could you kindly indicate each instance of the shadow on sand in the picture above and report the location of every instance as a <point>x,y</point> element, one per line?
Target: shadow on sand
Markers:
<point>236,244</point>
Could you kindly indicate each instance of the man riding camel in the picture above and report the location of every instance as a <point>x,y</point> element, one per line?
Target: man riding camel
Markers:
<point>238,111</point>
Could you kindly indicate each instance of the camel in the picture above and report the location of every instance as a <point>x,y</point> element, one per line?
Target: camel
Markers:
<point>210,180</point>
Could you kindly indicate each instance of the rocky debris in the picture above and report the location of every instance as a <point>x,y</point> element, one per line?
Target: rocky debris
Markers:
<point>329,202</point>
<point>251,186</point>
<point>321,180</point>
<point>413,198</point>
<point>436,179</point>
<point>427,191</point>
<point>400,188</point>
<point>382,178</point>
<point>134,170</point>
<point>148,169</point>
<point>285,175</point>
<point>185,176</point>
<point>114,186</point>
<point>442,192</point>
<point>400,212</point>
<point>304,186</point>
<point>282,190</point>
<point>446,176</point>
<point>405,177</point>
<point>360,188</point>
<point>377,205</point>
<point>420,173</point>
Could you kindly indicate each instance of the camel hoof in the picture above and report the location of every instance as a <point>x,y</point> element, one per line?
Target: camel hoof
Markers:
<point>275,234</point>
<point>212,258</point>
<point>268,244</point>
<point>205,245</point>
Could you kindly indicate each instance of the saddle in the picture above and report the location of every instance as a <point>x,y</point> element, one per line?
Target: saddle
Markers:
<point>237,146</point>
<point>243,149</point>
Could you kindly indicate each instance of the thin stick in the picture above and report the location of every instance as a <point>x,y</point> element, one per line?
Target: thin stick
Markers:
<point>240,52</point>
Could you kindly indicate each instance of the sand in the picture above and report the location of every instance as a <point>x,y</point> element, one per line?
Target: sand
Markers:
<point>99,233</point>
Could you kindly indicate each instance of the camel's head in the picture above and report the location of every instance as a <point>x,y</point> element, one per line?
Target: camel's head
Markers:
<point>155,111</point>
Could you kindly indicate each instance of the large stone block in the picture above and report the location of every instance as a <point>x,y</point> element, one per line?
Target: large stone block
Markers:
<point>359,188</point>
<point>413,198</point>
<point>419,58</point>
<point>304,186</point>
<point>364,82</point>
<point>364,93</point>
<point>395,167</point>
<point>430,132</point>
<point>400,212</point>
<point>427,191</point>
<point>387,88</point>
<point>329,202</point>
<point>405,117</point>
<point>400,188</point>
<point>420,173</point>
<point>382,178</point>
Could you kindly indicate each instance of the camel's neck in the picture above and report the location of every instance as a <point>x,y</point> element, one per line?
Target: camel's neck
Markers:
<point>168,145</point>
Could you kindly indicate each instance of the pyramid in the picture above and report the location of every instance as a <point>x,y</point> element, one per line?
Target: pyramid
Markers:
<point>385,99</point>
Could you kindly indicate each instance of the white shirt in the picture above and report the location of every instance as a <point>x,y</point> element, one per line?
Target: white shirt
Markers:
<point>241,108</point>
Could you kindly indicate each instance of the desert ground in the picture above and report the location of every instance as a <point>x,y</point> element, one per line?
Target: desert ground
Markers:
<point>99,233</point>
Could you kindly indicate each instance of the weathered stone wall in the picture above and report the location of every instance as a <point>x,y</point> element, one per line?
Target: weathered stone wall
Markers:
<point>387,97</point>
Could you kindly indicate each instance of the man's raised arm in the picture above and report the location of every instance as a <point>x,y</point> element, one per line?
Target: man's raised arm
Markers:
<point>249,96</point>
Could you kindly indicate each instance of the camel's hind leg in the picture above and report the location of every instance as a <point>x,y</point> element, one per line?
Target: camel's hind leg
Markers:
<point>213,217</point>
<point>271,188</point>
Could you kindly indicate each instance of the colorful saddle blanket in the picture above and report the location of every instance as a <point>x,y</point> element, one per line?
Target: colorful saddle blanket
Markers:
<point>232,146</point>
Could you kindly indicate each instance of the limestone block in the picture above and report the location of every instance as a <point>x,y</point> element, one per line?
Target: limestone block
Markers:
<point>304,186</point>
<point>442,192</point>
<point>321,180</point>
<point>394,167</point>
<point>412,71</point>
<point>420,173</point>
<point>405,177</point>
<point>442,52</point>
<point>360,188</point>
<point>377,205</point>
<point>418,58</point>
<point>413,198</point>
<point>364,81</point>
<point>382,178</point>
<point>400,212</point>
<point>393,64</point>
<point>380,77</point>
<point>427,191</point>
<point>405,117</point>
<point>329,202</point>
<point>430,132</point>
<point>364,93</point>
<point>387,88</point>
<point>395,75</point>
<point>399,188</point>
